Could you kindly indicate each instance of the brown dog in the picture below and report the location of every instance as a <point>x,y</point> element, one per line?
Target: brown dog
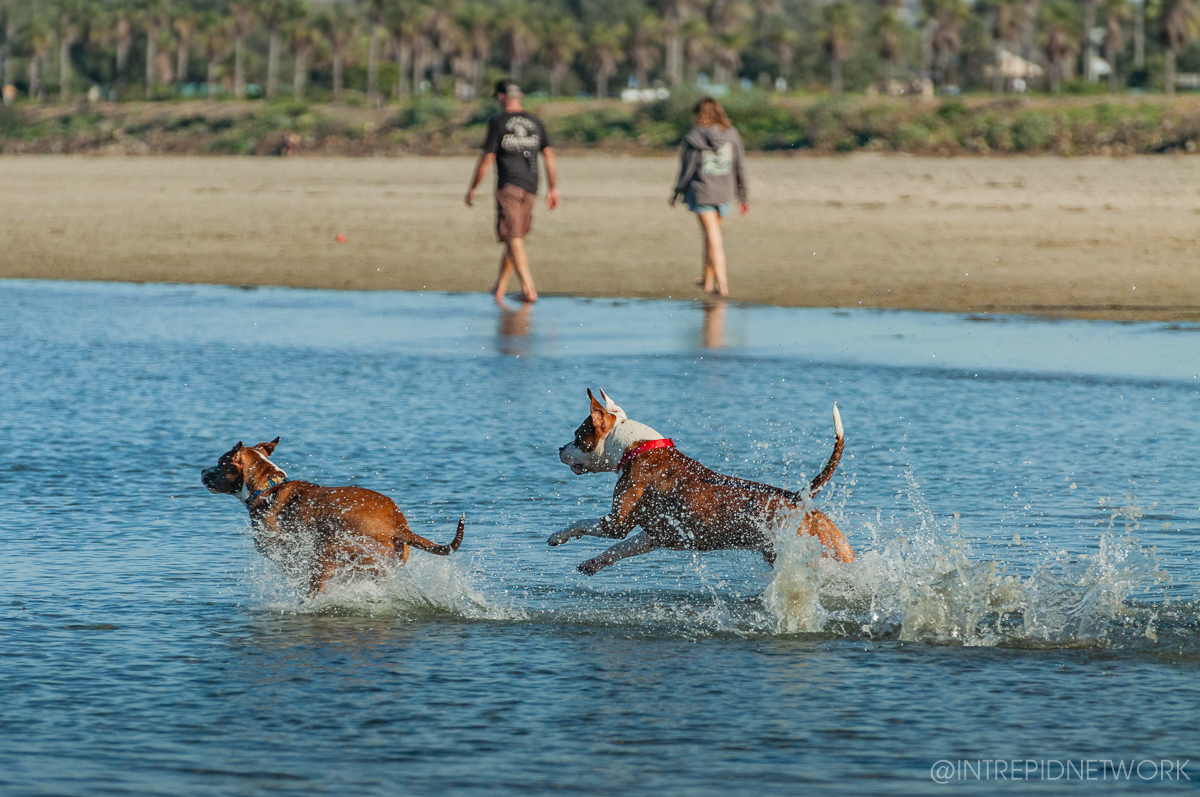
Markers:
<point>680,504</point>
<point>344,525</point>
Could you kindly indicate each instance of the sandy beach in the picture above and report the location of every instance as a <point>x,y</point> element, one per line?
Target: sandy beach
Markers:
<point>1081,237</point>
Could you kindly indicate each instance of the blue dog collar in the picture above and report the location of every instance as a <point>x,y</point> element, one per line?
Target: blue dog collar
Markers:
<point>272,482</point>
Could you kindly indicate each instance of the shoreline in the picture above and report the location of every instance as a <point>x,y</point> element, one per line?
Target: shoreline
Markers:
<point>1091,238</point>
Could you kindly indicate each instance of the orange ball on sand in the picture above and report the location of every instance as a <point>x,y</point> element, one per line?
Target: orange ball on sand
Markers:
<point>341,238</point>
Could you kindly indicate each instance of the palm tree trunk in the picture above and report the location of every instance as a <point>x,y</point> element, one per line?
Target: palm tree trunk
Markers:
<point>64,69</point>
<point>122,67</point>
<point>1113,84</point>
<point>211,84</point>
<point>556,78</point>
<point>151,55</point>
<point>35,77</point>
<point>299,75</point>
<point>339,59</point>
<point>1089,22</point>
<point>273,63</point>
<point>181,62</point>
<point>835,68</point>
<point>998,78</point>
<point>1169,71</point>
<point>403,66</point>
<point>239,68</point>
<point>1139,34</point>
<point>674,47</point>
<point>373,68</point>
<point>602,84</point>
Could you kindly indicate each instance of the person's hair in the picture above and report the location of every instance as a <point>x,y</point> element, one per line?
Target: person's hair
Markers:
<point>709,113</point>
<point>506,87</point>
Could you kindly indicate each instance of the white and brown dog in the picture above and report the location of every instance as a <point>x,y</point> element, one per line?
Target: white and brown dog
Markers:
<point>345,526</point>
<point>680,504</point>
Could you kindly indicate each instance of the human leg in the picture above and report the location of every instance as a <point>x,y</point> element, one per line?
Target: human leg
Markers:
<point>506,269</point>
<point>520,261</point>
<point>715,246</point>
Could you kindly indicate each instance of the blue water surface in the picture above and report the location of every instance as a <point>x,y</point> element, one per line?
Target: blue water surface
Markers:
<point>1022,494</point>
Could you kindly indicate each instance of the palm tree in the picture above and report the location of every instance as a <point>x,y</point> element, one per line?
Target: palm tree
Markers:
<point>783,41</point>
<point>728,22</point>
<point>155,16</point>
<point>340,27</point>
<point>185,23</point>
<point>1176,31</point>
<point>1114,38</point>
<point>606,50</point>
<point>697,44</point>
<point>275,14</point>
<point>7,62</point>
<point>1059,45</point>
<point>841,24</point>
<point>475,21</point>
<point>377,12</point>
<point>303,37</point>
<point>674,14</point>
<point>518,29</point>
<point>889,30</point>
<point>559,46</point>
<point>943,35</point>
<point>123,37</point>
<point>244,22</point>
<point>69,18</point>
<point>38,40</point>
<point>1006,28</point>
<point>645,35</point>
<point>216,34</point>
<point>405,25</point>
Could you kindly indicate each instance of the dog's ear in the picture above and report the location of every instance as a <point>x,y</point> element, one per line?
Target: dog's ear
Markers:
<point>269,447</point>
<point>238,447</point>
<point>602,419</point>
<point>611,406</point>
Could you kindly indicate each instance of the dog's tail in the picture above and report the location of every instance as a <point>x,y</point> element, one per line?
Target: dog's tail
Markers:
<point>827,473</point>
<point>417,541</point>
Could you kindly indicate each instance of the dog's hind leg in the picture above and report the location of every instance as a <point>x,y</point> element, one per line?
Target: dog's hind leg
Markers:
<point>634,546</point>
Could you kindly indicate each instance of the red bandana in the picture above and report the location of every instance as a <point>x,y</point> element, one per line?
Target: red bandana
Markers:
<point>633,451</point>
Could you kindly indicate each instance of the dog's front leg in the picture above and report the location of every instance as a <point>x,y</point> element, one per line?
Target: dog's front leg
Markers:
<point>597,527</point>
<point>635,545</point>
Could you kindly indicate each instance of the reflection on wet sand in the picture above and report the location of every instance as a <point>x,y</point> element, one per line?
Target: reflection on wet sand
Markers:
<point>713,334</point>
<point>512,331</point>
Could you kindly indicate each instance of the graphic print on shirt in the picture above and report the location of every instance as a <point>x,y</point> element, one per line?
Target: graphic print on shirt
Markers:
<point>522,136</point>
<point>719,162</point>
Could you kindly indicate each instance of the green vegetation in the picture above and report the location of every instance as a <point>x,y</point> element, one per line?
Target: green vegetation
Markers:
<point>376,52</point>
<point>973,125</point>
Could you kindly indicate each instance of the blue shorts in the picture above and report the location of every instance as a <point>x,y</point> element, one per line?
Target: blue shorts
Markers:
<point>721,210</point>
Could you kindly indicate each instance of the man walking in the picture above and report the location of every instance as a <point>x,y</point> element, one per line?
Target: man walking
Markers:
<point>514,139</point>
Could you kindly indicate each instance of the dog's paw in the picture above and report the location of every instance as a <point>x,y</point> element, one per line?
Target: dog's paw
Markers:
<point>592,566</point>
<point>559,537</point>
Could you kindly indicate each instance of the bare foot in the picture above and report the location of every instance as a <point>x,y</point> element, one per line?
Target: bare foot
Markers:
<point>699,280</point>
<point>529,297</point>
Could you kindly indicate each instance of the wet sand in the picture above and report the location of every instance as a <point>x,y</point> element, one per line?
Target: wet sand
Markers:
<point>1080,237</point>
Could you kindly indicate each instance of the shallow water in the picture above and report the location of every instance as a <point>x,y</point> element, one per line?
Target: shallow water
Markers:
<point>1022,495</point>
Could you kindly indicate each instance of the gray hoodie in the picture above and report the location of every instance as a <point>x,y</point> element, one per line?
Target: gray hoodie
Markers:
<point>712,168</point>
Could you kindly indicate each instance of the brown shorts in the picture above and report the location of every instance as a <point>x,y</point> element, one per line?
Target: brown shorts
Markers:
<point>514,212</point>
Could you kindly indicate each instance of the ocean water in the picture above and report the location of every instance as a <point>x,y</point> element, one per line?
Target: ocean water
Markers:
<point>1023,496</point>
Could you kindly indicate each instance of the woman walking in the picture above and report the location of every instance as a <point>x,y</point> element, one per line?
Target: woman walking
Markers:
<point>712,173</point>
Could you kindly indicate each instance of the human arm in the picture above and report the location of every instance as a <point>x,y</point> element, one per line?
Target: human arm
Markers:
<point>481,167</point>
<point>689,163</point>
<point>739,174</point>
<point>551,178</point>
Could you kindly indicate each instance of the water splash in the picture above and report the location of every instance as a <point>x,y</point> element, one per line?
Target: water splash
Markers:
<point>918,581</point>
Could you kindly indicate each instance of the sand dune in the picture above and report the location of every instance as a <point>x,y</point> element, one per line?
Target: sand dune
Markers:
<point>1087,237</point>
